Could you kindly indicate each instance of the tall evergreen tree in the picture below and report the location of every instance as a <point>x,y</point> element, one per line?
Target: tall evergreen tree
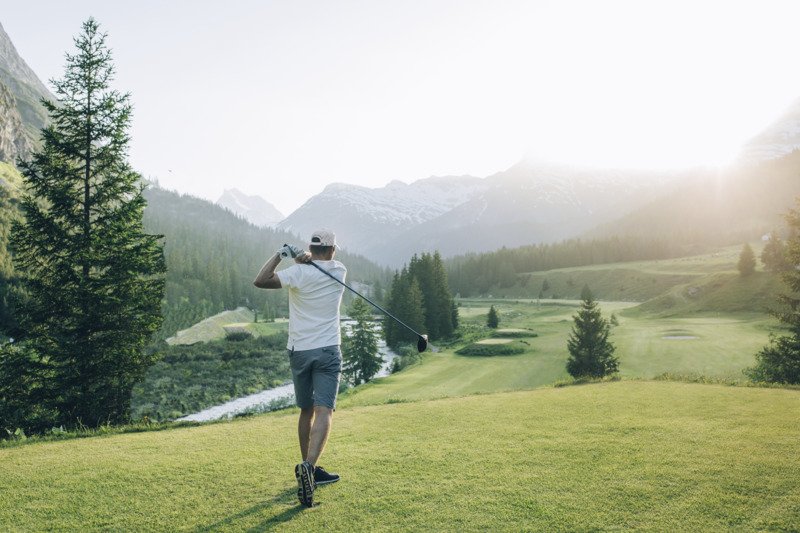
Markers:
<point>95,280</point>
<point>360,351</point>
<point>591,354</point>
<point>406,303</point>
<point>429,272</point>
<point>445,309</point>
<point>747,261</point>
<point>779,361</point>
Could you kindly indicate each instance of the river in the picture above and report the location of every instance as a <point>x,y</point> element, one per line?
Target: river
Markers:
<point>278,397</point>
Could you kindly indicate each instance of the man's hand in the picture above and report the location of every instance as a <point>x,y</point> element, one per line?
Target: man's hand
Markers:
<point>287,250</point>
<point>303,258</point>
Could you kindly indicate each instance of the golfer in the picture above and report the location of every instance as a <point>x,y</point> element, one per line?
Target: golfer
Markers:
<point>314,353</point>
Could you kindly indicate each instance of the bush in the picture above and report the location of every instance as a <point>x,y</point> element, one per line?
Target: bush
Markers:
<point>407,355</point>
<point>237,336</point>
<point>778,362</point>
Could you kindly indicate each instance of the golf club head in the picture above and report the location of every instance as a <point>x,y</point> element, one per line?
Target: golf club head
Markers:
<point>422,343</point>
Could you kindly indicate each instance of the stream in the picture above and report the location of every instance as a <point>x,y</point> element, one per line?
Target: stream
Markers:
<point>281,396</point>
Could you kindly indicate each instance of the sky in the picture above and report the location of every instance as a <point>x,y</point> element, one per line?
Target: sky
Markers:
<point>282,98</point>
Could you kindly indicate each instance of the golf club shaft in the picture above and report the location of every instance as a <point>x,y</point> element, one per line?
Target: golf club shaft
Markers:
<point>378,307</point>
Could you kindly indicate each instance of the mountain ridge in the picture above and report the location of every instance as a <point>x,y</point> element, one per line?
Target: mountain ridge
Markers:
<point>252,208</point>
<point>22,115</point>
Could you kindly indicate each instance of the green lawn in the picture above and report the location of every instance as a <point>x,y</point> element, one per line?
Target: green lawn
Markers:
<point>723,345</point>
<point>650,455</point>
<point>212,328</point>
<point>635,281</point>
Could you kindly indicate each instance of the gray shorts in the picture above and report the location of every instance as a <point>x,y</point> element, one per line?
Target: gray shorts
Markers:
<point>316,374</point>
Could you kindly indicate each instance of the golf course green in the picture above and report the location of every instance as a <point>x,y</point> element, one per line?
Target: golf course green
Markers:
<point>652,455</point>
<point>475,443</point>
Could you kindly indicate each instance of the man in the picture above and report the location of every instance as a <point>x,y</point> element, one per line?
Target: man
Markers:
<point>314,349</point>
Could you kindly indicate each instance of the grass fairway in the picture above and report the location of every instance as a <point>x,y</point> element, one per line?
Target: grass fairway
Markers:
<point>652,455</point>
<point>723,345</point>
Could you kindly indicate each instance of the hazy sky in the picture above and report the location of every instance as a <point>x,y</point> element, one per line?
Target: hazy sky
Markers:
<point>281,98</point>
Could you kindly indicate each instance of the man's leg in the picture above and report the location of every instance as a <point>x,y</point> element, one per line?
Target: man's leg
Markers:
<point>304,429</point>
<point>320,429</point>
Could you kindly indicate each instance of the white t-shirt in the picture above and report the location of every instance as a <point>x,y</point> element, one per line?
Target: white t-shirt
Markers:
<point>314,300</point>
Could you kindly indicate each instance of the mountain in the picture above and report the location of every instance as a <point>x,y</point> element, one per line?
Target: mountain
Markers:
<point>528,203</point>
<point>365,219</point>
<point>21,113</point>
<point>253,208</point>
<point>729,206</point>
<point>779,139</point>
<point>14,139</point>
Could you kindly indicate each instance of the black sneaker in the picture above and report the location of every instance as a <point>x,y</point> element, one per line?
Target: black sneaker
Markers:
<point>305,483</point>
<point>321,477</point>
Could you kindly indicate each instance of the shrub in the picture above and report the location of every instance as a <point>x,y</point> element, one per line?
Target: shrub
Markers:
<point>236,336</point>
<point>778,362</point>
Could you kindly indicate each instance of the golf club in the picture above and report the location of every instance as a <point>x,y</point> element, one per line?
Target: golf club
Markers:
<point>422,340</point>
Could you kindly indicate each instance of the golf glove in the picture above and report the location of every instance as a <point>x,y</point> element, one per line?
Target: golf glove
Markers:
<point>287,250</point>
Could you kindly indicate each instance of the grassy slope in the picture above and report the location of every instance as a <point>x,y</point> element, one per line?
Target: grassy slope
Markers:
<point>10,178</point>
<point>652,455</point>
<point>634,281</point>
<point>212,327</point>
<point>724,345</point>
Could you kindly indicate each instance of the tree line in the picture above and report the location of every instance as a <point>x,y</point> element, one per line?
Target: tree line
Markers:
<point>478,274</point>
<point>420,296</point>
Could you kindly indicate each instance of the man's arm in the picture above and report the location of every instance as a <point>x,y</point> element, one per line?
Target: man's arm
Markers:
<point>267,278</point>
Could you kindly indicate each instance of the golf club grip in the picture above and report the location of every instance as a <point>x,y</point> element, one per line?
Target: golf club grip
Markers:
<point>378,307</point>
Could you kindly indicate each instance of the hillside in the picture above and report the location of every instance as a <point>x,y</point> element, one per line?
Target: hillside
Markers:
<point>21,113</point>
<point>687,457</point>
<point>779,139</point>
<point>733,206</point>
<point>213,256</point>
<point>10,188</point>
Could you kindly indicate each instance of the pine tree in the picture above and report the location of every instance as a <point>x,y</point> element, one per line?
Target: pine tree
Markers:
<point>492,320</point>
<point>406,303</point>
<point>444,306</point>
<point>773,255</point>
<point>747,261</point>
<point>361,358</point>
<point>95,279</point>
<point>779,361</point>
<point>591,353</point>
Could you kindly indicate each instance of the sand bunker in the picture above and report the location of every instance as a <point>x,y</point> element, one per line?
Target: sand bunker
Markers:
<point>495,341</point>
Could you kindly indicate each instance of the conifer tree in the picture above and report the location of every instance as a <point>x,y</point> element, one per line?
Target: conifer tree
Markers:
<point>747,261</point>
<point>773,255</point>
<point>360,351</point>
<point>406,303</point>
<point>95,280</point>
<point>492,320</point>
<point>591,354</point>
<point>779,361</point>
